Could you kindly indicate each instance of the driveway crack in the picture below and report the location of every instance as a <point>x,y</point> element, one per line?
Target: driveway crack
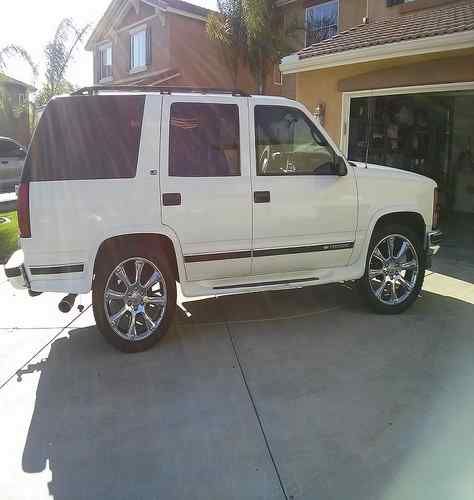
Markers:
<point>257,414</point>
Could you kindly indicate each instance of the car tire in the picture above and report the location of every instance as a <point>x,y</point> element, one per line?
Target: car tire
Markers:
<point>392,280</point>
<point>119,300</point>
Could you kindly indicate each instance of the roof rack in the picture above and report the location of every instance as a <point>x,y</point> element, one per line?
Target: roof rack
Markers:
<point>95,89</point>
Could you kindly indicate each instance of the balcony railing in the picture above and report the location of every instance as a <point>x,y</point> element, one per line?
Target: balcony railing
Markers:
<point>319,34</point>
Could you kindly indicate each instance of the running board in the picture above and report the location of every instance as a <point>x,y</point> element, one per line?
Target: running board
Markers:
<point>265,283</point>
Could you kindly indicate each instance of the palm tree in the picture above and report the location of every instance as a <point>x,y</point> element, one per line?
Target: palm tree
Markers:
<point>251,32</point>
<point>59,53</point>
<point>19,52</point>
<point>228,29</point>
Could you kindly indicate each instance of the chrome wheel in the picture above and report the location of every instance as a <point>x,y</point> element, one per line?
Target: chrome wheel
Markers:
<point>393,269</point>
<point>135,299</point>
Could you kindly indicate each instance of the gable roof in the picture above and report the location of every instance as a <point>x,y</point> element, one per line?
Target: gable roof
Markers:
<point>116,7</point>
<point>444,20</point>
<point>8,80</point>
<point>182,6</point>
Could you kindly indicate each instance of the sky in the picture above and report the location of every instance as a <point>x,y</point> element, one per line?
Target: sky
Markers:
<point>32,23</point>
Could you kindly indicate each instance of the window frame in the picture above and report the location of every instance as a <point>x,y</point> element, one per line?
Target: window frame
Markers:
<point>16,146</point>
<point>311,124</point>
<point>276,71</point>
<point>101,50</point>
<point>238,128</point>
<point>316,6</point>
<point>143,28</point>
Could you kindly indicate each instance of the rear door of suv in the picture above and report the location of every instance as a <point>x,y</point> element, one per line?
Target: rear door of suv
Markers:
<point>205,183</point>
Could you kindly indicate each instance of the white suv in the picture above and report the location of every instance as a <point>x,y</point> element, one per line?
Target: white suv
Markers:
<point>127,192</point>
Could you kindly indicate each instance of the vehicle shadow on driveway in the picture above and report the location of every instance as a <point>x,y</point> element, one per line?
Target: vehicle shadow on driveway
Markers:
<point>354,405</point>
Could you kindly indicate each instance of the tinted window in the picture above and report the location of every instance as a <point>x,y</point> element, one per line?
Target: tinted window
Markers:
<point>288,143</point>
<point>86,137</point>
<point>204,140</point>
<point>8,148</point>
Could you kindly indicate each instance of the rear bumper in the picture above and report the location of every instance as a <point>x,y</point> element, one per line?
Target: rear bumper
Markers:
<point>433,243</point>
<point>15,271</point>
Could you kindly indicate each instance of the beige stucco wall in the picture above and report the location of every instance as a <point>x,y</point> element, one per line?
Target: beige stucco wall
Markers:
<point>327,85</point>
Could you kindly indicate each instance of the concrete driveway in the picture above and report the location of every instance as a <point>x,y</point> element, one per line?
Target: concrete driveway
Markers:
<point>301,394</point>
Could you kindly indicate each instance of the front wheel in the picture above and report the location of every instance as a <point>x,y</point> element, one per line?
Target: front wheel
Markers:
<point>394,271</point>
<point>134,299</point>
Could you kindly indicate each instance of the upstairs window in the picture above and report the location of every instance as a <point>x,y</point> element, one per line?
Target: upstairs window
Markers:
<point>140,49</point>
<point>321,21</point>
<point>105,62</point>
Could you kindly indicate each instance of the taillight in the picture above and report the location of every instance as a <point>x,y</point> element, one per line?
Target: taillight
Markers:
<point>23,209</point>
<point>435,208</point>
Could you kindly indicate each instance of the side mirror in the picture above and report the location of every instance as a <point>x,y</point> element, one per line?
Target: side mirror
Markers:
<point>21,153</point>
<point>340,166</point>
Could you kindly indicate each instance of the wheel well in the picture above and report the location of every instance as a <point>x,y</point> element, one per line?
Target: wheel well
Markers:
<point>118,243</point>
<point>412,220</point>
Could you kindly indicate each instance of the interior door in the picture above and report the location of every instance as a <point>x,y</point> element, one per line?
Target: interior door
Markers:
<point>205,183</point>
<point>304,215</point>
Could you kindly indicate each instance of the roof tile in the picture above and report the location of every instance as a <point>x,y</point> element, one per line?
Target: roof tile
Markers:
<point>422,24</point>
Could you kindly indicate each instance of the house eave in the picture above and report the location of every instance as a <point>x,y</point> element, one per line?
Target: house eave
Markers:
<point>440,43</point>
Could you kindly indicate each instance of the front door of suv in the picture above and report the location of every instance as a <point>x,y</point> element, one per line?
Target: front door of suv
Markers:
<point>304,213</point>
<point>205,183</point>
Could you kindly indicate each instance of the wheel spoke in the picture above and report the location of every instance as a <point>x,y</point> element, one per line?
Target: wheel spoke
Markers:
<point>379,291</point>
<point>118,315</point>
<point>404,282</point>
<point>150,324</point>
<point>373,273</point>
<point>132,331</point>
<point>153,280</point>
<point>138,271</point>
<point>391,245</point>
<point>402,251</point>
<point>154,300</point>
<point>379,255</point>
<point>114,295</point>
<point>411,264</point>
<point>122,275</point>
<point>393,292</point>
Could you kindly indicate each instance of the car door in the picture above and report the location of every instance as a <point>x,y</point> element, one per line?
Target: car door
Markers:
<point>11,163</point>
<point>304,213</point>
<point>205,183</point>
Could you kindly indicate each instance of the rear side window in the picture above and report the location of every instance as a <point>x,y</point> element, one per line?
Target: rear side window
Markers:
<point>86,137</point>
<point>204,140</point>
<point>8,148</point>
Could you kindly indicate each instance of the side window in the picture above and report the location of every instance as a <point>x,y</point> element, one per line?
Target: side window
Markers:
<point>288,143</point>
<point>204,140</point>
<point>8,148</point>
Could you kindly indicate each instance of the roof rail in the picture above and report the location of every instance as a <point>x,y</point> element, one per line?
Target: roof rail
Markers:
<point>95,89</point>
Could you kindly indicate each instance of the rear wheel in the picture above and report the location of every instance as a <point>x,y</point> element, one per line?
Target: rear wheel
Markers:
<point>134,299</point>
<point>394,271</point>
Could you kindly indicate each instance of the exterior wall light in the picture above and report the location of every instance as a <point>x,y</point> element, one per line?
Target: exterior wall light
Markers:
<point>319,112</point>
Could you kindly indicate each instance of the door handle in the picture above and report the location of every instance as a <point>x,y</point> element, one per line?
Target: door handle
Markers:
<point>171,199</point>
<point>261,196</point>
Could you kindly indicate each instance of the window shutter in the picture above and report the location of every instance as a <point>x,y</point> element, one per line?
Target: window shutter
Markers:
<point>130,51</point>
<point>148,46</point>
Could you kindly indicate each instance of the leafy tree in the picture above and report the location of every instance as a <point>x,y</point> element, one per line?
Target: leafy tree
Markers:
<point>16,51</point>
<point>228,29</point>
<point>59,53</point>
<point>251,32</point>
<point>10,111</point>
